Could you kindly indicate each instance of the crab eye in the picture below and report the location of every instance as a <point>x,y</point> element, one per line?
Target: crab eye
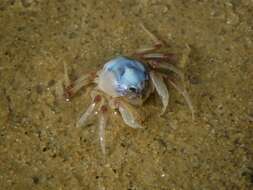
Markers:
<point>132,89</point>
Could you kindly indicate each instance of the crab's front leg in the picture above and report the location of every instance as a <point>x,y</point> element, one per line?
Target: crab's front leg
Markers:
<point>89,111</point>
<point>103,117</point>
<point>98,104</point>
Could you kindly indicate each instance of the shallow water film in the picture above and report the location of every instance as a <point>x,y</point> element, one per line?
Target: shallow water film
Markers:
<point>40,147</point>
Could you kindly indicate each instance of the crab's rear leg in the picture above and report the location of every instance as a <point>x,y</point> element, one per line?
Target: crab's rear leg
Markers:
<point>166,68</point>
<point>78,84</point>
<point>159,57</point>
<point>157,43</point>
<point>147,53</point>
<point>161,89</point>
<point>186,96</point>
<point>71,88</point>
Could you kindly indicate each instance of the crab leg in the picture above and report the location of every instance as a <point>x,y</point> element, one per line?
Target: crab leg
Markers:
<point>102,124</point>
<point>86,115</point>
<point>78,84</point>
<point>88,112</point>
<point>59,87</point>
<point>72,88</point>
<point>143,50</point>
<point>161,89</point>
<point>157,43</point>
<point>128,118</point>
<point>157,55</point>
<point>165,67</point>
<point>81,82</point>
<point>146,52</point>
<point>186,96</point>
<point>161,57</point>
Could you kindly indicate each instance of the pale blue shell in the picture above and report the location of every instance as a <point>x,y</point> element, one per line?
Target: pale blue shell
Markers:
<point>130,75</point>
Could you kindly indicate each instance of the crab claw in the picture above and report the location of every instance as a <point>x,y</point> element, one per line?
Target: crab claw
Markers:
<point>128,116</point>
<point>161,89</point>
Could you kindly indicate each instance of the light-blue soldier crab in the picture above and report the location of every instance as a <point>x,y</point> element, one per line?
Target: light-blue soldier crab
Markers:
<point>125,82</point>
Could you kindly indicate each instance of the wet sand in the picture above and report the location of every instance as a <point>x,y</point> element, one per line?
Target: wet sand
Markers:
<point>40,148</point>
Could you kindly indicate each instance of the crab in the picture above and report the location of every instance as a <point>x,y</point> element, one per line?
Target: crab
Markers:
<point>126,82</point>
